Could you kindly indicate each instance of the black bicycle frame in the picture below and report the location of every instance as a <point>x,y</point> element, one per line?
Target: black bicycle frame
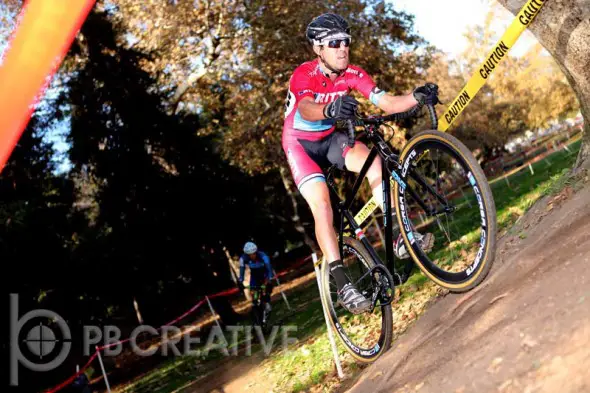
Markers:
<point>390,168</point>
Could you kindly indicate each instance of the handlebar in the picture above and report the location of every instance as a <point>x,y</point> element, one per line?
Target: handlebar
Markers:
<point>378,120</point>
<point>255,287</point>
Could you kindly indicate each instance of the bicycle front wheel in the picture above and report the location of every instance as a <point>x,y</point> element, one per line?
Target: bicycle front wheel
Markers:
<point>368,335</point>
<point>447,195</point>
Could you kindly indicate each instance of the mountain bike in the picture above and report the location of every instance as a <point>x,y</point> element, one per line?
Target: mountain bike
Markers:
<point>259,315</point>
<point>438,187</point>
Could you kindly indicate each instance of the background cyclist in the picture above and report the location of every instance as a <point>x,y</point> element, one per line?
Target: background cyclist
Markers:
<point>260,271</point>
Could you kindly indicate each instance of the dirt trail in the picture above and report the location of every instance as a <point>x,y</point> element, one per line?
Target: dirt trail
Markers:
<point>233,376</point>
<point>526,329</point>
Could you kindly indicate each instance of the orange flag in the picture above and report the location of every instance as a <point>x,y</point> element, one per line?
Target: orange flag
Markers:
<point>44,32</point>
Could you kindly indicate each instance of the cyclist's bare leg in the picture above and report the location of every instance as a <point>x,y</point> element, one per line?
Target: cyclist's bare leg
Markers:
<point>354,161</point>
<point>317,195</point>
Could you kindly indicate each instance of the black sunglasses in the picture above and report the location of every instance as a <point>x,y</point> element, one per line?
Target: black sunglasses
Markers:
<point>337,43</point>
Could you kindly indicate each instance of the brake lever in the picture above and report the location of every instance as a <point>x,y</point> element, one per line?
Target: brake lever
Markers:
<point>350,123</point>
<point>432,115</point>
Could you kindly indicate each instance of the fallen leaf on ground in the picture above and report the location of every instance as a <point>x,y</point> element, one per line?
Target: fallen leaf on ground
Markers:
<point>495,365</point>
<point>505,385</point>
<point>377,374</point>
<point>529,342</point>
<point>499,297</point>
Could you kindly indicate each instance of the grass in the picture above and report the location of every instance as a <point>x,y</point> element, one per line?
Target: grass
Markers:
<point>177,372</point>
<point>513,196</point>
<point>309,362</point>
<point>549,177</point>
<point>296,368</point>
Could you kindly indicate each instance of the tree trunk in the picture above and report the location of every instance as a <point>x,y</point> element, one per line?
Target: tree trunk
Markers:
<point>287,183</point>
<point>211,56</point>
<point>563,28</point>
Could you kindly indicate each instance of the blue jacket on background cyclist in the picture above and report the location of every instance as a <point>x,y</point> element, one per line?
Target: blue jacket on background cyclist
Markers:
<point>259,264</point>
<point>260,270</point>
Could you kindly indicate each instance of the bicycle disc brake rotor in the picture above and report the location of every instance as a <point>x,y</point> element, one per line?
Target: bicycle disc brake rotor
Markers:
<point>384,283</point>
<point>383,290</point>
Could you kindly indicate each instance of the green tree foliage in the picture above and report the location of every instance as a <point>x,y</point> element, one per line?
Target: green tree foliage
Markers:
<point>561,27</point>
<point>175,116</point>
<point>160,201</point>
<point>277,38</point>
<point>8,12</point>
<point>239,57</point>
<point>35,227</point>
<point>232,60</point>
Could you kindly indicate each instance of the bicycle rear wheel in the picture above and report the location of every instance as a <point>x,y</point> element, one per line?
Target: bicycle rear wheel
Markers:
<point>446,194</point>
<point>365,336</point>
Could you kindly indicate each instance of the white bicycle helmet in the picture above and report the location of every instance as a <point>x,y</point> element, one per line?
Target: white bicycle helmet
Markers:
<point>250,248</point>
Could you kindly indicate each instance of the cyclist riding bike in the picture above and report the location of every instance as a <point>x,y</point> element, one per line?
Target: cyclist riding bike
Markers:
<point>260,271</point>
<point>317,97</point>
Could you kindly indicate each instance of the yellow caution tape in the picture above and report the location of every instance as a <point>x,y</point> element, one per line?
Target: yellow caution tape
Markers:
<point>497,54</point>
<point>366,211</point>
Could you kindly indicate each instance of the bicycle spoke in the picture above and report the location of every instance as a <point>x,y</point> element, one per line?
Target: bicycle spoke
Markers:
<point>437,178</point>
<point>365,331</point>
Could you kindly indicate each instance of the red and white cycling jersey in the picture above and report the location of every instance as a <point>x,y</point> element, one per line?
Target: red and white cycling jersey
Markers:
<point>308,80</point>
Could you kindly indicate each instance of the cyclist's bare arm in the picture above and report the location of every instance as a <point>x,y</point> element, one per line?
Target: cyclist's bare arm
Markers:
<point>310,110</point>
<point>395,104</point>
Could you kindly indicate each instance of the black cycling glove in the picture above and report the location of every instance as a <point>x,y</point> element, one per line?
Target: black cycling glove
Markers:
<point>427,94</point>
<point>344,107</point>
